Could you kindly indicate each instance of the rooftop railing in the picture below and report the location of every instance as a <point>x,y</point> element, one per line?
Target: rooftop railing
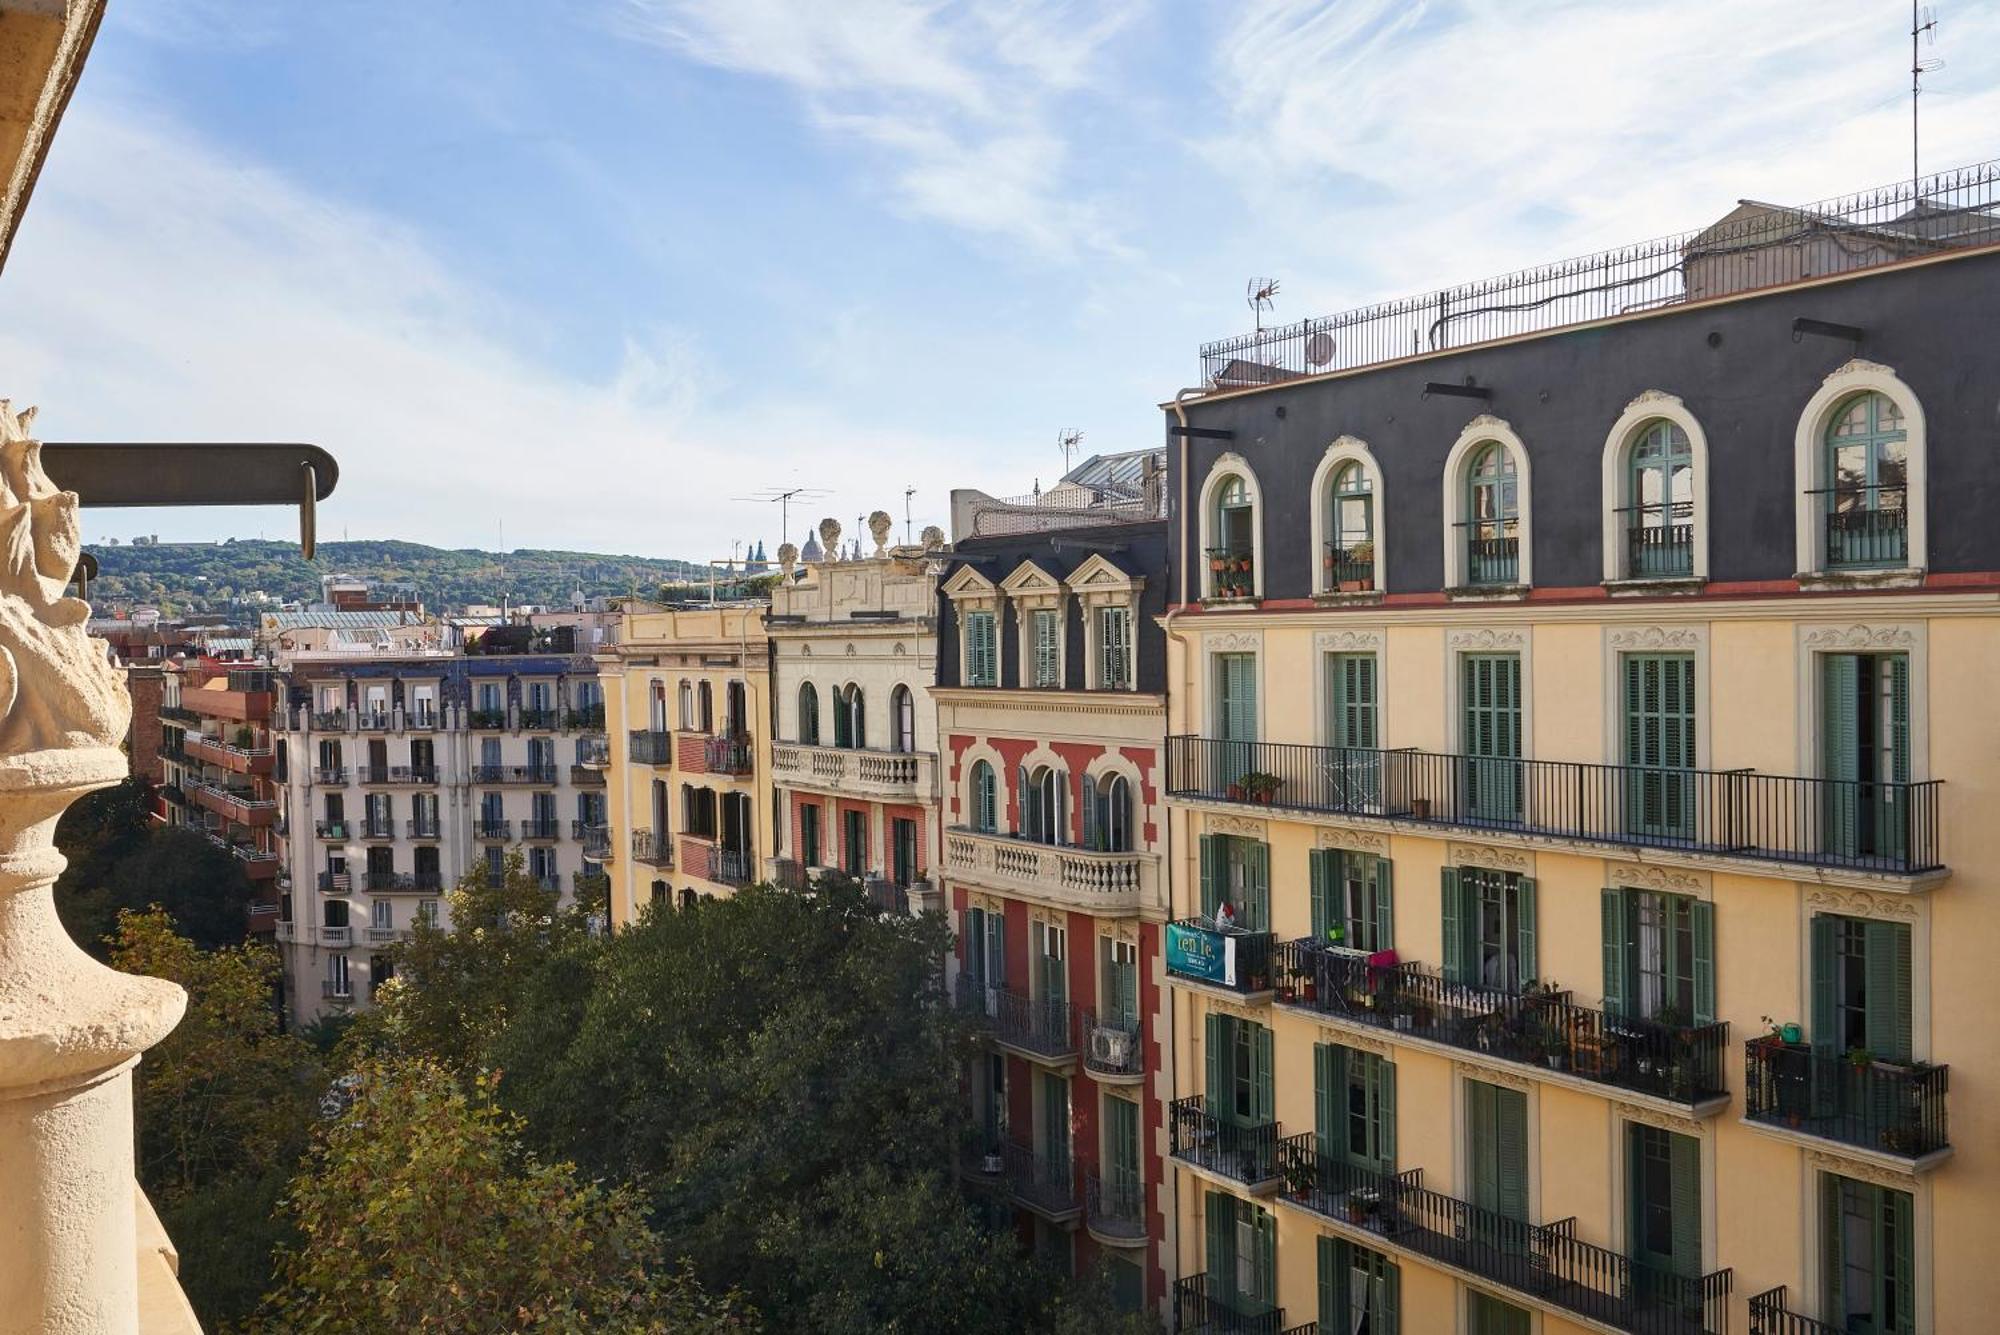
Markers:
<point>1765,247</point>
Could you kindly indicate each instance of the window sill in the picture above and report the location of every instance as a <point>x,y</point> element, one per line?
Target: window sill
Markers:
<point>1348,597</point>
<point>1904,577</point>
<point>1656,586</point>
<point>1245,601</point>
<point>1487,593</point>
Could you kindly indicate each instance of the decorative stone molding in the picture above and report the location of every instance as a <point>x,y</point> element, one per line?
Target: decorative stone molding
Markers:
<point>1493,1075</point>
<point>1486,855</point>
<point>1248,1014</point>
<point>1233,642</point>
<point>1360,1042</point>
<point>1863,1169</point>
<point>1860,638</point>
<point>1348,642</point>
<point>1649,638</point>
<point>1243,825</point>
<point>1648,399</point>
<point>1861,904</point>
<point>1661,880</point>
<point>1666,1121</point>
<point>1485,639</point>
<point>1857,368</point>
<point>1359,841</point>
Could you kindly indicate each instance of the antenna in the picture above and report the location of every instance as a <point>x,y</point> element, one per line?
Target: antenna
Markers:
<point>1067,442</point>
<point>1261,294</point>
<point>784,496</point>
<point>1923,24</point>
<point>907,493</point>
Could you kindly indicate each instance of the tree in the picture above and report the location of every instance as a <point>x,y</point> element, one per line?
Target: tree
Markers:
<point>121,859</point>
<point>420,1210</point>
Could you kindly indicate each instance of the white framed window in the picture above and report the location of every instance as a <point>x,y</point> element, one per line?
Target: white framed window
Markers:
<point>1862,470</point>
<point>1655,493</point>
<point>983,798</point>
<point>1347,521</point>
<point>1042,804</point>
<point>1114,649</point>
<point>1232,538</point>
<point>1044,647</point>
<point>902,720</point>
<point>1488,537</point>
<point>976,600</point>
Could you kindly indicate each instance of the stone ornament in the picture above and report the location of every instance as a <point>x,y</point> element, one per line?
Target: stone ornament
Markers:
<point>1861,904</point>
<point>1358,841</point>
<point>1861,637</point>
<point>879,524</point>
<point>932,538</point>
<point>1657,637</point>
<point>1644,876</point>
<point>829,537</point>
<point>1485,640</point>
<point>1486,855</point>
<point>1666,1121</point>
<point>788,557</point>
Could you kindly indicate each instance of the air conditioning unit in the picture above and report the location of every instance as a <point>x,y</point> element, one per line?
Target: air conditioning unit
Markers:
<point>1110,1046</point>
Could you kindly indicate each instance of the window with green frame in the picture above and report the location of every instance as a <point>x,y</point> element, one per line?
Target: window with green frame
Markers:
<point>1354,1107</point>
<point>1865,753</point>
<point>1045,647</point>
<point>1663,1200</point>
<point>1659,520</point>
<point>1241,1242</point>
<point>1487,1315</point>
<point>985,798</point>
<point>1489,928</point>
<point>982,655</point>
<point>1114,648</point>
<point>1490,698</point>
<point>1239,1087</point>
<point>1867,1258</point>
<point>1861,987</point>
<point>1360,1291</point>
<point>1496,1125</point>
<point>1492,527</point>
<point>1350,529</point>
<point>1352,899</point>
<point>1659,956</point>
<point>1659,744</point>
<point>1867,477</point>
<point>1350,701</point>
<point>1237,871</point>
<point>1118,1001</point>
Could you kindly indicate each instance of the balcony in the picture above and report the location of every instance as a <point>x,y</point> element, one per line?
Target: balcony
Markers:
<point>335,882</point>
<point>1039,1029</point>
<point>589,718</point>
<point>397,774</point>
<point>387,882</point>
<point>1867,527</point>
<point>539,775</point>
<point>1195,1310</point>
<point>595,837</point>
<point>699,753</point>
<point>1044,1183</point>
<point>492,830</point>
<point>237,759</point>
<point>892,776</point>
<point>650,748</point>
<point>259,864</point>
<point>540,720</point>
<point>1115,1212</point>
<point>542,828</point>
<point>374,720</point>
<point>1350,569</point>
<point>1220,959</point>
<point>1077,878</point>
<point>1894,1109</point>
<point>1741,815</point>
<point>179,714</point>
<point>329,720</point>
<point>382,936</point>
<point>378,829</point>
<point>1678,1063</point>
<point>1544,1262</point>
<point>486,720</point>
<point>1246,1154</point>
<point>336,937</point>
<point>232,702</point>
<point>421,829</point>
<point>1659,540</point>
<point>1114,1051</point>
<point>420,717</point>
<point>1492,553</point>
<point>654,850</point>
<point>586,776</point>
<point>333,775</point>
<point>1769,1316</point>
<point>240,807</point>
<point>1232,575</point>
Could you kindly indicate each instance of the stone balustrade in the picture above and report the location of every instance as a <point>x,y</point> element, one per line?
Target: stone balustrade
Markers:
<point>1080,878</point>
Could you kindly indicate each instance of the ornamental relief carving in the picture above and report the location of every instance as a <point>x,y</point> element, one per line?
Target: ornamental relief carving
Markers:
<point>1666,1121</point>
<point>1487,422</point>
<point>1658,637</point>
<point>1234,825</point>
<point>1861,904</point>
<point>1241,1012</point>
<point>1360,1042</point>
<point>1348,641</point>
<point>1858,366</point>
<point>1485,639</point>
<point>1359,841</point>
<point>1494,1076</point>
<point>1860,636</point>
<point>1650,397</point>
<point>1666,881</point>
<point>1864,1169</point>
<point>1485,855</point>
<point>1236,642</point>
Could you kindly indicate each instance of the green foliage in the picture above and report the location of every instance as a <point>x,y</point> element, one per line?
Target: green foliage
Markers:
<point>420,1210</point>
<point>120,859</point>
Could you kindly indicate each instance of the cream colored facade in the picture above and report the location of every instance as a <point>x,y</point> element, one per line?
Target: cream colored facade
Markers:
<point>688,712</point>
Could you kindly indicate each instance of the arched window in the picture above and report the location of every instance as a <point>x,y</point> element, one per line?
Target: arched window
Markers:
<point>1492,536</point>
<point>1110,808</point>
<point>1233,532</point>
<point>984,798</point>
<point>1866,496</point>
<point>809,714</point>
<point>1042,804</point>
<point>850,723</point>
<point>903,718</point>
<point>1349,562</point>
<point>1659,519</point>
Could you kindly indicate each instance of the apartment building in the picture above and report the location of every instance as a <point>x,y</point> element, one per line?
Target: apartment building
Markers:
<point>1051,717</point>
<point>405,762</point>
<point>688,709</point>
<point>1580,723</point>
<point>219,768</point>
<point>854,763</point>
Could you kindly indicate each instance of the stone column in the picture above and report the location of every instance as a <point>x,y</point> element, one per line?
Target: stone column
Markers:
<point>71,1030</point>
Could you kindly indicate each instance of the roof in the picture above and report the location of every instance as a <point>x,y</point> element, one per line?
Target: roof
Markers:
<point>1115,474</point>
<point>332,620</point>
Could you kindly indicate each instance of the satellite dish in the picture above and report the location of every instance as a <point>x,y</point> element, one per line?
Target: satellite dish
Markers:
<point>1319,349</point>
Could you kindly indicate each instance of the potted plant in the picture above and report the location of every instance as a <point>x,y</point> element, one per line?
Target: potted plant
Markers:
<point>1218,564</point>
<point>1360,554</point>
<point>1299,1179</point>
<point>1420,808</point>
<point>1235,791</point>
<point>1860,1058</point>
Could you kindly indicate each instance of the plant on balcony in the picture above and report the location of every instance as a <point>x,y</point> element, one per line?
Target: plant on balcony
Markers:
<point>244,737</point>
<point>1300,1178</point>
<point>1259,786</point>
<point>1860,1058</point>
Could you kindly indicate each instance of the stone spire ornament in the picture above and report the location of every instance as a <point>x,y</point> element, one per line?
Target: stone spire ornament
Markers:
<point>71,1030</point>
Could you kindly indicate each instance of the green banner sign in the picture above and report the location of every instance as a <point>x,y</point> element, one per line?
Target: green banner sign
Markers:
<point>1195,953</point>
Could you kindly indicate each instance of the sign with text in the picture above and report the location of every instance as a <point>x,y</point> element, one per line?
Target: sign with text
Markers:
<point>1195,953</point>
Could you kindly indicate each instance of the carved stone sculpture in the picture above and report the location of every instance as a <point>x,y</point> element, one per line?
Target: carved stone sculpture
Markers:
<point>879,525</point>
<point>788,557</point>
<point>829,538</point>
<point>932,537</point>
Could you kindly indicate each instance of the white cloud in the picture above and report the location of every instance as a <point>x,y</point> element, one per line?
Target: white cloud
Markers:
<point>963,102</point>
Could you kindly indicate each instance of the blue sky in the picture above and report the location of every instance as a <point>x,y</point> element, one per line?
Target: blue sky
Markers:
<point>593,270</point>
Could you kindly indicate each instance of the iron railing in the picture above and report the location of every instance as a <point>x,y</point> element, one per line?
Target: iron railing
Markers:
<point>1351,568</point>
<point>332,774</point>
<point>535,774</point>
<point>1492,551</point>
<point>589,718</point>
<point>372,720</point>
<point>1045,1181</point>
<point>421,829</point>
<point>378,829</point>
<point>1198,1310</point>
<point>1231,573</point>
<point>1659,540</point>
<point>729,755</point>
<point>1247,1153</point>
<point>1034,1024</point>
<point>330,829</point>
<point>493,829</point>
<point>733,866</point>
<point>1768,1316</point>
<point>1867,527</point>
<point>1681,1062</point>
<point>1116,1208</point>
<point>1861,823</point>
<point>1767,248</point>
<point>1253,956</point>
<point>655,850</point>
<point>547,827</point>
<point>595,835</point>
<point>387,880</point>
<point>486,719</point>
<point>1112,1047</point>
<point>335,882</point>
<point>1896,1108</point>
<point>540,720</point>
<point>650,748</point>
<point>397,774</point>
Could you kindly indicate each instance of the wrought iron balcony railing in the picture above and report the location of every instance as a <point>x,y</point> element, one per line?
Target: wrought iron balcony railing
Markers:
<point>1246,1153</point>
<point>1112,1048</point>
<point>1350,569</point>
<point>1237,961</point>
<point>493,829</point>
<point>1867,527</point>
<point>653,849</point>
<point>1492,551</point>
<point>534,774</point>
<point>549,828</point>
<point>1853,1098</point>
<point>1659,540</point>
<point>1199,1308</point>
<point>421,829</point>
<point>1676,1061</point>
<point>1232,572</point>
<point>1041,1026</point>
<point>539,720</point>
<point>730,755</point>
<point>486,719</point>
<point>1861,824</point>
<point>1044,1181</point>
<point>1769,1316</point>
<point>650,748</point>
<point>1115,1208</point>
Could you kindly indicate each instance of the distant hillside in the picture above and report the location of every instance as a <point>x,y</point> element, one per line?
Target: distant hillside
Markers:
<point>196,577</point>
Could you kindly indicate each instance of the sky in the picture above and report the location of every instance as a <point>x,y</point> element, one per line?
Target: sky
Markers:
<point>585,274</point>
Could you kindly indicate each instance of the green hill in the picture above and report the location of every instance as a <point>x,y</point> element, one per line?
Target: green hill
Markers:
<point>213,577</point>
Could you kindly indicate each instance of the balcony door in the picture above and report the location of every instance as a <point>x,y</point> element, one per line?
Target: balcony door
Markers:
<point>1354,1107</point>
<point>1235,719</point>
<point>1239,1087</point>
<point>809,835</point>
<point>1663,1202</point>
<point>1496,1127</point>
<point>1489,928</point>
<point>1053,1150</point>
<point>1236,872</point>
<point>1242,1254</point>
<point>1867,1257</point>
<point>1865,754</point>
<point>1353,773</point>
<point>1491,700</point>
<point>1659,746</point>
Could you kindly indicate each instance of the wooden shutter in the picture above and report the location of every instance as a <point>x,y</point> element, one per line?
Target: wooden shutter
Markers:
<point>1822,936</point>
<point>1899,718</point>
<point>1701,919</point>
<point>1332,1285</point>
<point>1093,819</point>
<point>1888,982</point>
<point>1382,1072</point>
<point>1321,864</point>
<point>1454,917</point>
<point>1256,905</point>
<point>1832,1249</point>
<point>1263,1098</point>
<point>973,933</point>
<point>1482,1145</point>
<point>1524,892</point>
<point>1615,956</point>
<point>1840,749</point>
<point>1510,1107</point>
<point>1686,1166</point>
<point>1390,1314</point>
<point>1385,904</point>
<point>1215,1041</point>
<point>1899,1261</point>
<point>1221,1248</point>
<point>1329,1084</point>
<point>1265,1261</point>
<point>1045,648</point>
<point>1214,860</point>
<point>996,950</point>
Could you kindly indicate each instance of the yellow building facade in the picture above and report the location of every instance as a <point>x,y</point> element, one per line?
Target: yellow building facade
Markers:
<point>688,781</point>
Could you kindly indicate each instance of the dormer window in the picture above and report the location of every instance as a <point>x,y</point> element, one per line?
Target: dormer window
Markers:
<point>1867,466</point>
<point>1231,561</point>
<point>1492,526</point>
<point>1659,522</point>
<point>981,665</point>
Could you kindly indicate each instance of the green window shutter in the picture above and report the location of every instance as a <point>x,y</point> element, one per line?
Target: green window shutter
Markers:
<point>1823,931</point>
<point>973,933</point>
<point>1482,1146</point>
<point>1614,952</point>
<point>1899,717</point>
<point>1525,936</point>
<point>1323,864</point>
<point>1329,1085</point>
<point>1384,1072</point>
<point>1832,1250</point>
<point>1454,925</point>
<point>1701,915</point>
<point>1221,1245</point>
<point>1385,905</point>
<point>1216,1038</point>
<point>1093,826</point>
<point>1686,1155</point>
<point>1510,1108</point>
<point>1392,1298</point>
<point>1263,1097</point>
<point>1635,1201</point>
<point>1332,1284</point>
<point>1899,1256</point>
<point>1840,749</point>
<point>1214,857</point>
<point>1888,983</point>
<point>1256,905</point>
<point>1265,1263</point>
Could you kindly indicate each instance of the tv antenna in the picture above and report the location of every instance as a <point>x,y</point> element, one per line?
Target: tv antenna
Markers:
<point>907,493</point>
<point>1923,28</point>
<point>1067,442</point>
<point>1261,294</point>
<point>784,496</point>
